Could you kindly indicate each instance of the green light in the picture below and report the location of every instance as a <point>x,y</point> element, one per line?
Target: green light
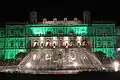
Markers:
<point>15,38</point>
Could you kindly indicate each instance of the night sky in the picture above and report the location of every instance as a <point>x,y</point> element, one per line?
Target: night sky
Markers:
<point>18,11</point>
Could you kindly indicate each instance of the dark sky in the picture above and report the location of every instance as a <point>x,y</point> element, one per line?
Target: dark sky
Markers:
<point>100,9</point>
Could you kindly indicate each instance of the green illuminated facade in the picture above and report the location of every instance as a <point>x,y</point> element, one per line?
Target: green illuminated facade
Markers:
<point>17,38</point>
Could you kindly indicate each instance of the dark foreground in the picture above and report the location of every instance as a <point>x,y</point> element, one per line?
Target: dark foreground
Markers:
<point>80,76</point>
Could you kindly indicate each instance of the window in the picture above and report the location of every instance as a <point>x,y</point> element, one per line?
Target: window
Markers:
<point>12,31</point>
<point>2,33</point>
<point>60,32</point>
<point>108,42</point>
<point>21,44</point>
<point>71,32</point>
<point>21,30</point>
<point>83,33</point>
<point>12,43</point>
<point>49,32</point>
<point>99,43</point>
<point>82,29</point>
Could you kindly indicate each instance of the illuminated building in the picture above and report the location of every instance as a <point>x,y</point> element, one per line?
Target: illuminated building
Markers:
<point>16,37</point>
<point>118,41</point>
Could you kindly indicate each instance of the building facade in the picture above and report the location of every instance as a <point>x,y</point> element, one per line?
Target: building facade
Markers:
<point>118,41</point>
<point>15,38</point>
